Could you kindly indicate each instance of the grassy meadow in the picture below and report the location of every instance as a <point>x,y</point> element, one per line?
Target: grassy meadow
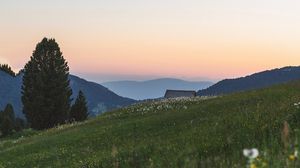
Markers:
<point>196,132</point>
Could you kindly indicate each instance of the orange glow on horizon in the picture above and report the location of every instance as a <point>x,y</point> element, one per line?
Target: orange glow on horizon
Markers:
<point>189,39</point>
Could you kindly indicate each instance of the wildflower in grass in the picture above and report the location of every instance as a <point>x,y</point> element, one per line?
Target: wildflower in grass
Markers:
<point>292,157</point>
<point>297,105</point>
<point>251,155</point>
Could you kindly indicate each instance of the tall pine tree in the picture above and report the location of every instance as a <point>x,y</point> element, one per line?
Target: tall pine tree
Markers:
<point>46,90</point>
<point>79,111</point>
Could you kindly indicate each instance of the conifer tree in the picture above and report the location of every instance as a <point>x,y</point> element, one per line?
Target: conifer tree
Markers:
<point>9,112</point>
<point>7,120</point>
<point>79,111</point>
<point>46,90</point>
<point>19,124</point>
<point>6,126</point>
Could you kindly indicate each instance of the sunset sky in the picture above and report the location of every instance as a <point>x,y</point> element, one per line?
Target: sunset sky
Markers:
<point>143,39</point>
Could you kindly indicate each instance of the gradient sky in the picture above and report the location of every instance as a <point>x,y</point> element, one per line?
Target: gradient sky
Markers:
<point>140,39</point>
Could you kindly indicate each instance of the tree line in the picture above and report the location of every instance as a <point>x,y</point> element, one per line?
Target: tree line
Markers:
<point>6,68</point>
<point>8,122</point>
<point>46,91</point>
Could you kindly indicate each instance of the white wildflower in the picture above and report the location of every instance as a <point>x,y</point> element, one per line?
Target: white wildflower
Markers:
<point>251,153</point>
<point>297,104</point>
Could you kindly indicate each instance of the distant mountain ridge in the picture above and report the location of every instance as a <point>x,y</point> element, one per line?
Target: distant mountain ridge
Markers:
<point>99,98</point>
<point>151,89</point>
<point>254,81</point>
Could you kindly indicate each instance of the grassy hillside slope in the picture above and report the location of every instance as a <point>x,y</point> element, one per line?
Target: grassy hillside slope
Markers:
<point>176,133</point>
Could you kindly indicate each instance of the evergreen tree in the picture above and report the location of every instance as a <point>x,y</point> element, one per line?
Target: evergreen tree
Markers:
<point>46,90</point>
<point>79,111</point>
<point>19,124</point>
<point>6,126</point>
<point>7,120</point>
<point>6,68</point>
<point>9,112</point>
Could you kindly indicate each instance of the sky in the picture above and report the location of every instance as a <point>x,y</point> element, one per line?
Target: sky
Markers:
<point>144,39</point>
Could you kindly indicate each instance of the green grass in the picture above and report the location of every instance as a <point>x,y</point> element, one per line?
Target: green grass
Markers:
<point>183,133</point>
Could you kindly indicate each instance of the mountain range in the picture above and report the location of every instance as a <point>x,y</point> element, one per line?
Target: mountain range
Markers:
<point>99,98</point>
<point>254,81</point>
<point>106,97</point>
<point>151,89</point>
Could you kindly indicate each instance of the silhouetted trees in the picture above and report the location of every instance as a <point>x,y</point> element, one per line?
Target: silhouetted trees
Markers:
<point>8,122</point>
<point>19,124</point>
<point>6,68</point>
<point>20,72</point>
<point>7,119</point>
<point>45,90</point>
<point>79,111</point>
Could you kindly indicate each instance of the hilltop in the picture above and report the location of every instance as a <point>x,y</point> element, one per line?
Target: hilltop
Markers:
<point>202,131</point>
<point>254,81</point>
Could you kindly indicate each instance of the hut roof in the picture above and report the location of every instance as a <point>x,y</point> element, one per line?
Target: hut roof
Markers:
<point>179,93</point>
